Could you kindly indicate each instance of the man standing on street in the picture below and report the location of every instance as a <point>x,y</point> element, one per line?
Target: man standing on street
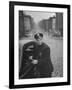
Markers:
<point>37,53</point>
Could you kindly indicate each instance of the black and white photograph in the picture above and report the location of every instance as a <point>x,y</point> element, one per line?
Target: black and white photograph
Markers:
<point>39,45</point>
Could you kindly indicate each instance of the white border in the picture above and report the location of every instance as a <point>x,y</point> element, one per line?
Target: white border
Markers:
<point>16,45</point>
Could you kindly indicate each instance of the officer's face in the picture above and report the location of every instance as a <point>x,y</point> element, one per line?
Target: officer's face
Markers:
<point>39,40</point>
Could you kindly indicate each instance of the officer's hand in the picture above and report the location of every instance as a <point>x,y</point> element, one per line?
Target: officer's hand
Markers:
<point>35,62</point>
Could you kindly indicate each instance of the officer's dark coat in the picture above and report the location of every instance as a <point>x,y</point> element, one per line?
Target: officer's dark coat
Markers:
<point>42,54</point>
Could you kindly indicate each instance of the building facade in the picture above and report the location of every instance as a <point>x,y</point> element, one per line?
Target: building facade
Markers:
<point>25,24</point>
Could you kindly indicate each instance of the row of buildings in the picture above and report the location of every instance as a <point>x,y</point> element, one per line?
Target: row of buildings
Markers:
<point>53,25</point>
<point>26,24</point>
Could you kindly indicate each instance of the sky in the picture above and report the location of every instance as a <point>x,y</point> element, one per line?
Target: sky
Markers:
<point>37,16</point>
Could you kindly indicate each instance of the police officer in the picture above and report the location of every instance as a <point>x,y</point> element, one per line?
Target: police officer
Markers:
<point>37,53</point>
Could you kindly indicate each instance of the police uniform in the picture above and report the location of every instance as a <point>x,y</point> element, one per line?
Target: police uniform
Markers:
<point>45,67</point>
